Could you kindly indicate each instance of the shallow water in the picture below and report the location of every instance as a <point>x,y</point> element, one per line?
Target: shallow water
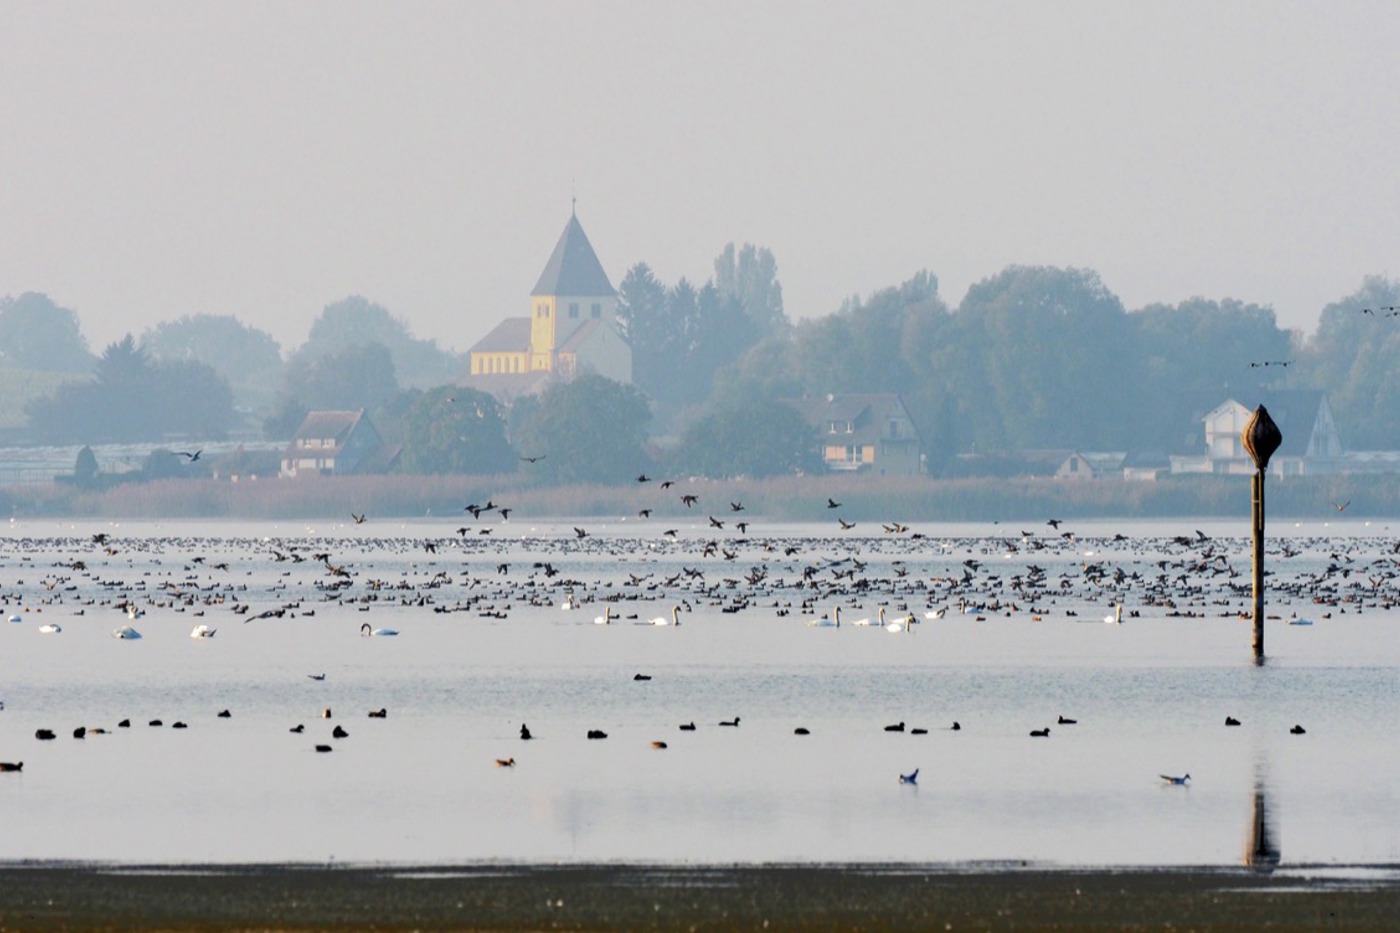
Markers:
<point>1150,697</point>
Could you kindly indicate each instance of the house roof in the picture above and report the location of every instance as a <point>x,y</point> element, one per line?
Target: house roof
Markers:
<point>867,412</point>
<point>574,269</point>
<point>327,424</point>
<point>510,336</point>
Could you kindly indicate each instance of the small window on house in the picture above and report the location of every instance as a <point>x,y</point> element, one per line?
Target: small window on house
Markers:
<point>596,310</point>
<point>573,310</point>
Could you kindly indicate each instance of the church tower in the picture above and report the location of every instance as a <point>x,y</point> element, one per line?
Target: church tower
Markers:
<point>572,290</point>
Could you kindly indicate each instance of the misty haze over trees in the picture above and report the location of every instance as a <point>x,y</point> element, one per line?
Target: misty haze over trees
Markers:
<point>1032,358</point>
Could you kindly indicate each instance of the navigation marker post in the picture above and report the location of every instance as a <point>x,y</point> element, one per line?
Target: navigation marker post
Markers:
<point>1260,438</point>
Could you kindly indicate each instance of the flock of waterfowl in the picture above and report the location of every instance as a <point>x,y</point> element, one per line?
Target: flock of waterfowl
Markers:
<point>893,581</point>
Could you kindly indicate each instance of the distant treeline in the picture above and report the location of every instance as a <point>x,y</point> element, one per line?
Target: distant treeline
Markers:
<point>1038,357</point>
<point>1033,358</point>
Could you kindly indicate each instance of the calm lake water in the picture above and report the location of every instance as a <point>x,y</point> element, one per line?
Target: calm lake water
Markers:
<point>484,647</point>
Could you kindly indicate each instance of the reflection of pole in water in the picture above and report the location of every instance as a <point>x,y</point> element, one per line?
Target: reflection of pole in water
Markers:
<point>1262,852</point>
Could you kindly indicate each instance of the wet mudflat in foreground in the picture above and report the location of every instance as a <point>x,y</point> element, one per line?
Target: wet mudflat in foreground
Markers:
<point>613,897</point>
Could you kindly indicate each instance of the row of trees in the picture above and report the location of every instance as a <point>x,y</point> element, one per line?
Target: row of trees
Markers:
<point>1039,357</point>
<point>135,397</point>
<point>682,335</point>
<point>1033,357</point>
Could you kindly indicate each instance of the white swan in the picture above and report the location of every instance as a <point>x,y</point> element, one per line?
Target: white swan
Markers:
<point>16,618</point>
<point>903,625</point>
<point>50,628</point>
<point>126,632</point>
<point>936,614</point>
<point>569,603</point>
<point>662,620</point>
<point>866,621</point>
<point>1117,617</point>
<point>605,618</point>
<point>824,622</point>
<point>202,631</point>
<point>366,631</point>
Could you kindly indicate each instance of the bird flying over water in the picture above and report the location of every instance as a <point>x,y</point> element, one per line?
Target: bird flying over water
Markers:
<point>910,778</point>
<point>189,457</point>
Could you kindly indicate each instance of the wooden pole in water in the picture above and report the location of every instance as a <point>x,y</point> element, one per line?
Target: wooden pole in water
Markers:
<point>1257,535</point>
<point>1260,438</point>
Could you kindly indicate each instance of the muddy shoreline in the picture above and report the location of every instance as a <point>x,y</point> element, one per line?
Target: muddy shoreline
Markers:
<point>49,896</point>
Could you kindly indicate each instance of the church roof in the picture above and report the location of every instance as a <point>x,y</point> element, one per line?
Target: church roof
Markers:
<point>510,336</point>
<point>574,268</point>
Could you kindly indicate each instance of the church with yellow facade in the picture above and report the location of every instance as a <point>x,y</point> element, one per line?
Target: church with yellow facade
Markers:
<point>571,328</point>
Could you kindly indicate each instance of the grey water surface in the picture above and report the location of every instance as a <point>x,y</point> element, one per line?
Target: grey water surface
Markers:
<point>421,785</point>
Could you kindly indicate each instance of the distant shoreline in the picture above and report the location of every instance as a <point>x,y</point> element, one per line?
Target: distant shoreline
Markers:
<point>862,498</point>
<point>74,896</point>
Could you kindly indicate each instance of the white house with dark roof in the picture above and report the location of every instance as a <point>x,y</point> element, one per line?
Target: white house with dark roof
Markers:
<point>868,432</point>
<point>570,329</point>
<point>336,443</point>
<point>1310,441</point>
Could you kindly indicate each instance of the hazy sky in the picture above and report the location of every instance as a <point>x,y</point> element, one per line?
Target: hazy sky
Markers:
<point>267,159</point>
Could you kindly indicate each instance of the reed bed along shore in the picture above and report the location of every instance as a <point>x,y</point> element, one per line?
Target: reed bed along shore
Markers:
<point>622,897</point>
<point>787,499</point>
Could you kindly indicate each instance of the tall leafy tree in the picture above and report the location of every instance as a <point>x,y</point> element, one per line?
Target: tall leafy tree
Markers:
<point>35,333</point>
<point>357,321</point>
<point>133,398</point>
<point>766,438</point>
<point>644,316</point>
<point>456,430</point>
<point>749,276</point>
<point>1352,357</point>
<point>1192,356</point>
<point>683,335</point>
<point>589,430</point>
<point>1055,351</point>
<point>357,376</point>
<point>250,359</point>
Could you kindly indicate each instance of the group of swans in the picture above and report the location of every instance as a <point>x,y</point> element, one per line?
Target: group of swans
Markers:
<point>902,624</point>
<point>607,616</point>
